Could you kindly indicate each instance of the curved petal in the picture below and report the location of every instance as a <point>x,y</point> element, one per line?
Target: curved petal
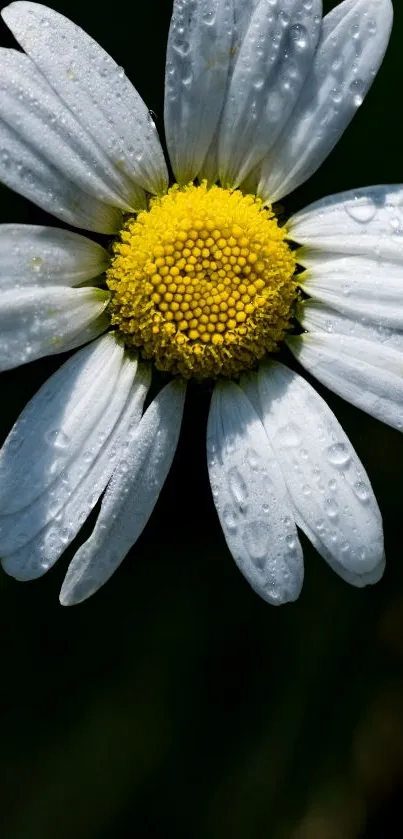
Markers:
<point>362,372</point>
<point>366,221</point>
<point>351,48</point>
<point>24,169</point>
<point>273,61</point>
<point>315,316</point>
<point>57,423</point>
<point>197,66</point>
<point>36,537</point>
<point>35,255</point>
<point>38,321</point>
<point>330,491</point>
<point>130,496</point>
<point>356,285</point>
<point>41,119</point>
<point>242,15</point>
<point>251,498</point>
<point>96,90</point>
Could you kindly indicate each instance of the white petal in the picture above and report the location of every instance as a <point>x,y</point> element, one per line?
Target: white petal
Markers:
<point>351,48</point>
<point>330,491</point>
<point>197,66</point>
<point>57,422</point>
<point>356,285</point>
<point>24,169</point>
<point>242,15</point>
<point>37,321</point>
<point>20,527</point>
<point>269,72</point>
<point>53,521</point>
<point>366,221</point>
<point>96,90</point>
<point>130,496</point>
<point>35,255</point>
<point>366,374</point>
<point>251,498</point>
<point>41,119</point>
<point>315,316</point>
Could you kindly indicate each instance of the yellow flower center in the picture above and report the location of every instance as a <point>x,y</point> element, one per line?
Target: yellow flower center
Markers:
<point>202,282</point>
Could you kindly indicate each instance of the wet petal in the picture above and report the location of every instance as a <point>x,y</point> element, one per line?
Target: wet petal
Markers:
<point>332,497</point>
<point>356,285</point>
<point>198,59</point>
<point>315,316</point>
<point>366,222</point>
<point>251,498</point>
<point>31,108</point>
<point>35,255</point>
<point>351,48</point>
<point>40,533</point>
<point>97,91</point>
<point>362,372</point>
<point>130,496</point>
<point>57,422</point>
<point>273,61</point>
<point>38,321</point>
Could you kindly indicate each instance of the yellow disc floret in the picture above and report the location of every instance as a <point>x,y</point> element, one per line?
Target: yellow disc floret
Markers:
<point>202,282</point>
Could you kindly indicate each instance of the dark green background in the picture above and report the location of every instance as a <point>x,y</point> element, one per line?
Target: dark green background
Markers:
<point>175,702</point>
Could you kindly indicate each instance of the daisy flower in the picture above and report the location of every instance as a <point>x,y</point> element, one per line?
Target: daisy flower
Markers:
<point>200,279</point>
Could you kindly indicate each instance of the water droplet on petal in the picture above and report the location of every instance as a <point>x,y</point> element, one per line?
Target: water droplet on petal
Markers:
<point>331,508</point>
<point>256,537</point>
<point>237,486</point>
<point>357,88</point>
<point>363,209</point>
<point>338,454</point>
<point>57,438</point>
<point>229,518</point>
<point>361,490</point>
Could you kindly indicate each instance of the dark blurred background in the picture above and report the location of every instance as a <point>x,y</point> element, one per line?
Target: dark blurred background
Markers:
<point>175,702</point>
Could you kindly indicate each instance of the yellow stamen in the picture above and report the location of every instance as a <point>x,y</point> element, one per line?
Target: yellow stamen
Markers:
<point>202,282</point>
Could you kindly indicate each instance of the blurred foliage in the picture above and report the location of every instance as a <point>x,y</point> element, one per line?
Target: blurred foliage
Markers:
<point>175,702</point>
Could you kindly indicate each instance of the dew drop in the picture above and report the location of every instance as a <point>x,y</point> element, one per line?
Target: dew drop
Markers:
<point>357,88</point>
<point>338,454</point>
<point>372,27</point>
<point>258,82</point>
<point>255,537</point>
<point>237,486</point>
<point>253,459</point>
<point>57,438</point>
<point>361,490</point>
<point>36,264</point>
<point>363,209</point>
<point>229,518</point>
<point>208,17</point>
<point>331,508</point>
<point>395,224</point>
<point>298,34</point>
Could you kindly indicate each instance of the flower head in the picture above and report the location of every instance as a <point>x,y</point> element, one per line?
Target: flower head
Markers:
<point>202,279</point>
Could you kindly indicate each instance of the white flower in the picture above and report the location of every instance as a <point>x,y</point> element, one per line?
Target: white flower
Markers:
<point>257,94</point>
